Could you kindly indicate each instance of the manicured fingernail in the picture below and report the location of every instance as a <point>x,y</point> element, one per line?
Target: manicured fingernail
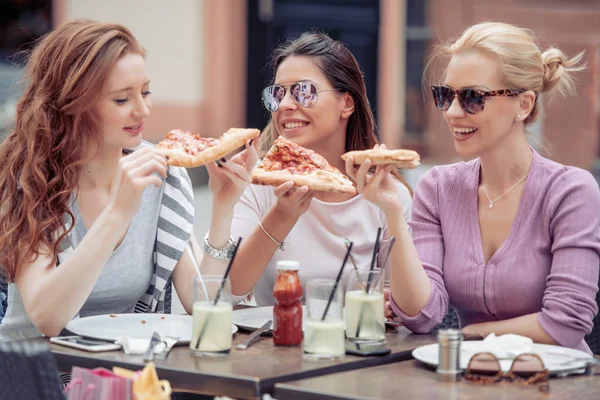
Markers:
<point>218,164</point>
<point>251,141</point>
<point>223,160</point>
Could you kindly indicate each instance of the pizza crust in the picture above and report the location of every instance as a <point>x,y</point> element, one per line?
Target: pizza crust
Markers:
<point>319,181</point>
<point>406,159</point>
<point>229,142</point>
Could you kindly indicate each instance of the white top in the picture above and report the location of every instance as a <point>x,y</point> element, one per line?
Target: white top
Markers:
<point>317,239</point>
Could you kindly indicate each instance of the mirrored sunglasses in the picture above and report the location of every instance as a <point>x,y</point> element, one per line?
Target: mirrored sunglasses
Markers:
<point>304,93</point>
<point>471,100</point>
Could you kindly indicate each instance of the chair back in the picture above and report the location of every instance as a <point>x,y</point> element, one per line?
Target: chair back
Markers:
<point>28,370</point>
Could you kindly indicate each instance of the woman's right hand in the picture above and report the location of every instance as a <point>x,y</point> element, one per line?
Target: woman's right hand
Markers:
<point>135,172</point>
<point>379,188</point>
<point>292,200</point>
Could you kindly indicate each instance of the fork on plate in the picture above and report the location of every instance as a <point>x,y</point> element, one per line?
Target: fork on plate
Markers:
<point>169,342</point>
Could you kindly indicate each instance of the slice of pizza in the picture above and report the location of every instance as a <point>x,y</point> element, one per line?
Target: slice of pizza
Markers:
<point>187,149</point>
<point>287,161</point>
<point>379,155</point>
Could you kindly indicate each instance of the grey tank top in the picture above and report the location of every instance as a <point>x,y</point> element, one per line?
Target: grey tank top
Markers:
<point>125,278</point>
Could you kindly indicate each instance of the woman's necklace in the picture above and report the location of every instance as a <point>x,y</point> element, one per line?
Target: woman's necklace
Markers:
<point>503,194</point>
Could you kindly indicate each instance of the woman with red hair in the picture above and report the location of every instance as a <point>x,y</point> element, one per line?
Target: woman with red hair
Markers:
<point>92,220</point>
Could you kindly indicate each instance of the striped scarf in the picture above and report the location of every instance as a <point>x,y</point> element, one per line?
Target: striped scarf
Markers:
<point>175,226</point>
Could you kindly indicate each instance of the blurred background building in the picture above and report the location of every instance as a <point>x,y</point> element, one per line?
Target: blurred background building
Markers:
<point>208,60</point>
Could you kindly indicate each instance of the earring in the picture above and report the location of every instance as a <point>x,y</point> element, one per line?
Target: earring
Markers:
<point>518,117</point>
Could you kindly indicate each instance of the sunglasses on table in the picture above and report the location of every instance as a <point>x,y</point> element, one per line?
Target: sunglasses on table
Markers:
<point>526,369</point>
<point>471,100</point>
<point>304,93</point>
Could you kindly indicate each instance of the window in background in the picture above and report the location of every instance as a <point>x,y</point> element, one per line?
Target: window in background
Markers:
<point>21,23</point>
<point>418,37</point>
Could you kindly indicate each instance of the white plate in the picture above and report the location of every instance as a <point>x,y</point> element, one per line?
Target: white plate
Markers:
<point>109,327</point>
<point>253,318</point>
<point>554,357</point>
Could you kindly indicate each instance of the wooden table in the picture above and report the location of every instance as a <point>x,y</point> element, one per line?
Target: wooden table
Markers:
<point>241,374</point>
<point>412,380</point>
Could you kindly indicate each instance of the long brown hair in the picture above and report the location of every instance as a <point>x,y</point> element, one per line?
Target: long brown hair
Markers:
<point>55,128</point>
<point>341,69</point>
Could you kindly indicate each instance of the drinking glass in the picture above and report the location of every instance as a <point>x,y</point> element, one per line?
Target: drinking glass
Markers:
<point>212,316</point>
<point>364,314</point>
<point>323,337</point>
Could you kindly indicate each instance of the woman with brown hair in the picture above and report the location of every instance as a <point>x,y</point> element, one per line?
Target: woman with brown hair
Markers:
<point>510,239</point>
<point>324,108</point>
<point>92,220</point>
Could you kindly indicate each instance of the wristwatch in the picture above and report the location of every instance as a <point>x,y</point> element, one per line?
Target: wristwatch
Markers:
<point>224,253</point>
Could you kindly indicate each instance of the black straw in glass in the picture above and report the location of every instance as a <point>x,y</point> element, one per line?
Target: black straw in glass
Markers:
<point>387,256</point>
<point>337,281</point>
<point>201,335</point>
<point>374,258</point>
<point>347,242</point>
<point>237,245</point>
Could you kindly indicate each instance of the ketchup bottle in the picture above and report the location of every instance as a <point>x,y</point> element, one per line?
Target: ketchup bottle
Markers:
<point>287,312</point>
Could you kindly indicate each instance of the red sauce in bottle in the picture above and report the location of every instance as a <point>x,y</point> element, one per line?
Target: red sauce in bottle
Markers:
<point>287,312</point>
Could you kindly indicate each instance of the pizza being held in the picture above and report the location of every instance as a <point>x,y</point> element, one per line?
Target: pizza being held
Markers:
<point>287,161</point>
<point>380,155</point>
<point>187,149</point>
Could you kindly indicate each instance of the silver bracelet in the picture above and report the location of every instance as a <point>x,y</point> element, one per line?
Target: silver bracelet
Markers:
<point>224,253</point>
<point>279,244</point>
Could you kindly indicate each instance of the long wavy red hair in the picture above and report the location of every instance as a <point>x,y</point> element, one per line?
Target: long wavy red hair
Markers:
<point>54,131</point>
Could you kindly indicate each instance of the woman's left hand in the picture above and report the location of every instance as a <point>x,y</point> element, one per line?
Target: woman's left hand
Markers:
<point>471,332</point>
<point>229,178</point>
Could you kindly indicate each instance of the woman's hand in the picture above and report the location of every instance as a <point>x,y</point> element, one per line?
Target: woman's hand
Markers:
<point>229,178</point>
<point>292,200</point>
<point>470,332</point>
<point>390,316</point>
<point>136,171</point>
<point>379,189</point>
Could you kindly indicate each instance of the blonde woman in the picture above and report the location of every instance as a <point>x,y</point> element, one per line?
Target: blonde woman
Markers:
<point>511,239</point>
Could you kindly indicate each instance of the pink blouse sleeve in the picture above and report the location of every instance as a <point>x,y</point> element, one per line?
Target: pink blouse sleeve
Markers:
<point>427,236</point>
<point>569,305</point>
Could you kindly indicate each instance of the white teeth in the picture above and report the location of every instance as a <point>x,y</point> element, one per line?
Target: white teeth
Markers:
<point>464,130</point>
<point>290,125</point>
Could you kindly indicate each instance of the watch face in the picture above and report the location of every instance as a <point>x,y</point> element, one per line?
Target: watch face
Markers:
<point>224,253</point>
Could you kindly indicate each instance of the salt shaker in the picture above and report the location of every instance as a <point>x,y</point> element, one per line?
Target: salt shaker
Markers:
<point>449,348</point>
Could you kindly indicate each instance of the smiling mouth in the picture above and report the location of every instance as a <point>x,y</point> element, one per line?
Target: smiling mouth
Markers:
<point>292,125</point>
<point>463,132</point>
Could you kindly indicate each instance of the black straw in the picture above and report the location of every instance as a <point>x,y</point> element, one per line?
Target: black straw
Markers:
<point>387,256</point>
<point>337,281</point>
<point>375,252</point>
<point>223,281</point>
<point>374,258</point>
<point>347,242</point>
<point>237,245</point>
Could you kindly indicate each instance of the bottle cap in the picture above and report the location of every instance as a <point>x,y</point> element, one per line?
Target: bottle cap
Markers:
<point>288,265</point>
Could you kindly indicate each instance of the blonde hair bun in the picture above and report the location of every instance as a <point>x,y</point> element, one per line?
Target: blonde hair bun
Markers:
<point>557,69</point>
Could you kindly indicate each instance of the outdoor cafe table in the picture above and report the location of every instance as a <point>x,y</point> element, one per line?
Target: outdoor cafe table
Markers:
<point>241,374</point>
<point>412,380</point>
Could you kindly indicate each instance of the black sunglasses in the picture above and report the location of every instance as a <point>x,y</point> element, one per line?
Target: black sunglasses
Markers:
<point>304,93</point>
<point>471,100</point>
